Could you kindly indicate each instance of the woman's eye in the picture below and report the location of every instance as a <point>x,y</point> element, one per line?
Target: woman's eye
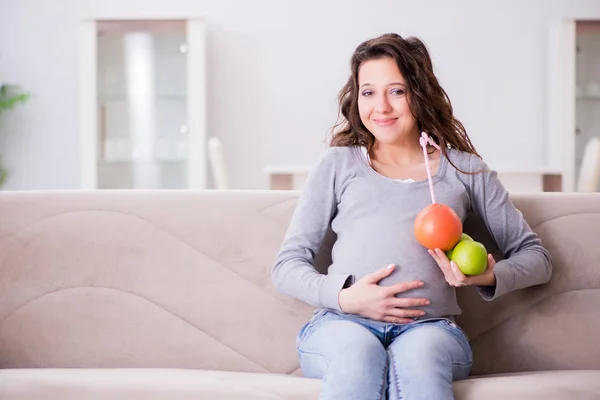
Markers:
<point>397,92</point>
<point>367,92</point>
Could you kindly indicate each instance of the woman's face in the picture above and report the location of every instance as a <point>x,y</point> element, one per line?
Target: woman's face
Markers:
<point>383,102</point>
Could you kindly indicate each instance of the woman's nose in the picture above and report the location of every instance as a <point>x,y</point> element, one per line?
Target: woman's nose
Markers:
<point>383,105</point>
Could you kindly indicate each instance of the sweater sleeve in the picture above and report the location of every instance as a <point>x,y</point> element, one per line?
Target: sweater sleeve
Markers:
<point>526,262</point>
<point>293,272</point>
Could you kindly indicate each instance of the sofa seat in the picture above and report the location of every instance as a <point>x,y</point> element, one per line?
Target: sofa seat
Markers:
<point>151,384</point>
<point>159,384</point>
<point>546,385</point>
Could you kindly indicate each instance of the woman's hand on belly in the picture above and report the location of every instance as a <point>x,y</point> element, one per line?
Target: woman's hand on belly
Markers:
<point>367,299</point>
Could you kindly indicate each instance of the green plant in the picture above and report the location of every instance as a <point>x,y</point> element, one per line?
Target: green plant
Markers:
<point>10,96</point>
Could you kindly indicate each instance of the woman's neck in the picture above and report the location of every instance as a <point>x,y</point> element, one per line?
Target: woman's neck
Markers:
<point>398,154</point>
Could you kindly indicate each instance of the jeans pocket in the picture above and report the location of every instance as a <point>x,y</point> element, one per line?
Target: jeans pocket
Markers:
<point>317,315</point>
<point>462,337</point>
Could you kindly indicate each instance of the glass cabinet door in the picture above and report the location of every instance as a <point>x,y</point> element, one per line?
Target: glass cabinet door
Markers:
<point>142,140</point>
<point>587,89</point>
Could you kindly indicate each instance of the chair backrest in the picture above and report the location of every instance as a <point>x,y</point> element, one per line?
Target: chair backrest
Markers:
<point>217,163</point>
<point>589,172</point>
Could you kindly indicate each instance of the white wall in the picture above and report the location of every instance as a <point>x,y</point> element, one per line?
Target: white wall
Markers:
<point>275,68</point>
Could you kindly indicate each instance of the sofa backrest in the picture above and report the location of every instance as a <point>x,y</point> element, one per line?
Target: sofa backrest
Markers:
<point>551,326</point>
<point>181,279</point>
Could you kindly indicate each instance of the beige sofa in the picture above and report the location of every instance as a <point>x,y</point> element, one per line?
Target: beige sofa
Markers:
<point>167,295</point>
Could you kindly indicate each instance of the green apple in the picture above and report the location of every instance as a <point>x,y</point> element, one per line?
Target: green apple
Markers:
<point>470,257</point>
<point>464,236</point>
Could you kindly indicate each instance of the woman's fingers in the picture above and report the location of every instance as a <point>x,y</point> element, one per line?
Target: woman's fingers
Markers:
<point>409,302</point>
<point>442,261</point>
<point>404,313</point>
<point>403,287</point>
<point>396,320</point>
<point>376,276</point>
<point>459,277</point>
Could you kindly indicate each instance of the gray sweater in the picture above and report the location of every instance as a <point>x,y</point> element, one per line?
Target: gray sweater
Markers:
<point>373,218</point>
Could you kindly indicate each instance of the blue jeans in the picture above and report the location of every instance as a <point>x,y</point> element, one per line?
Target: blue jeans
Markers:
<point>358,358</point>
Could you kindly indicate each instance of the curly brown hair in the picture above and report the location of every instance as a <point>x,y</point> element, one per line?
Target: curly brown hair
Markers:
<point>428,101</point>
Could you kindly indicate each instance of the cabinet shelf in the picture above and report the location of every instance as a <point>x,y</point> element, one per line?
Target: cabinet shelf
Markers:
<point>588,98</point>
<point>128,163</point>
<point>174,97</point>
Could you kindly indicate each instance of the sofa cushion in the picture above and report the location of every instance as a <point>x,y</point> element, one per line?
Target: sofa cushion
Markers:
<point>159,384</point>
<point>546,385</point>
<point>151,384</point>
